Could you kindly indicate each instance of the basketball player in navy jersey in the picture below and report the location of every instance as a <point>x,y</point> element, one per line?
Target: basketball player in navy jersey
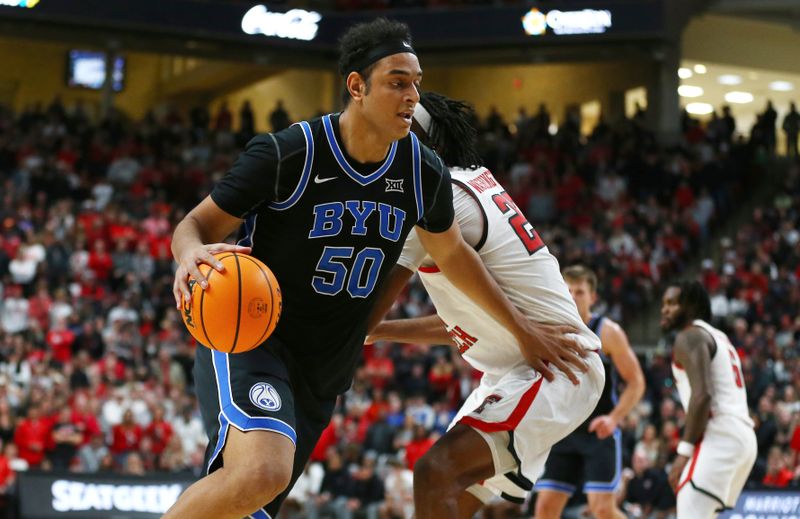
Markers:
<point>327,206</point>
<point>592,454</point>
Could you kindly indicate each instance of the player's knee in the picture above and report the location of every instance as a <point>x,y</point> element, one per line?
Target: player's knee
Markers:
<point>434,473</point>
<point>602,508</point>
<point>256,485</point>
<point>547,507</point>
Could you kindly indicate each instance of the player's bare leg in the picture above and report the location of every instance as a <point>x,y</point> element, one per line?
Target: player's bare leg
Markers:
<point>468,505</point>
<point>258,467</point>
<point>550,504</point>
<point>603,505</point>
<point>458,460</point>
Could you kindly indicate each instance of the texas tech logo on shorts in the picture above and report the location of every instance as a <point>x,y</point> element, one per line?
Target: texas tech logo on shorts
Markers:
<point>491,399</point>
<point>265,397</point>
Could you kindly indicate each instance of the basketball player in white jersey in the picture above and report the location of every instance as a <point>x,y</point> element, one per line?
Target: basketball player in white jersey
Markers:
<point>499,440</point>
<point>718,447</point>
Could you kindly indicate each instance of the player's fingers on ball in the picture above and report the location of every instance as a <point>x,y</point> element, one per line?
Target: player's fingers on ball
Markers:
<point>209,259</point>
<point>195,274</point>
<point>176,293</point>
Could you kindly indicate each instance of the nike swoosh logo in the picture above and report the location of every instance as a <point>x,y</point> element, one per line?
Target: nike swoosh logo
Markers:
<point>406,45</point>
<point>318,180</point>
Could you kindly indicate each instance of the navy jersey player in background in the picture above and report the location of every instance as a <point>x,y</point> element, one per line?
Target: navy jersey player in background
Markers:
<point>592,454</point>
<point>328,204</point>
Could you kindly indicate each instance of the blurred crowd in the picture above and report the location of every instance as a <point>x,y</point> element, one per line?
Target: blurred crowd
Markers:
<point>95,364</point>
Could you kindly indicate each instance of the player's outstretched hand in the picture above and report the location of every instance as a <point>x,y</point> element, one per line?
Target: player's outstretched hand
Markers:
<point>544,346</point>
<point>603,426</point>
<point>187,267</point>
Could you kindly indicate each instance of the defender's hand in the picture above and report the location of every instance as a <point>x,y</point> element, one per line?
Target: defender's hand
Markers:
<point>545,345</point>
<point>187,267</point>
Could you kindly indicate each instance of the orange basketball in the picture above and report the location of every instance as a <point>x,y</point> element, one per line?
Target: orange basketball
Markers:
<point>239,309</point>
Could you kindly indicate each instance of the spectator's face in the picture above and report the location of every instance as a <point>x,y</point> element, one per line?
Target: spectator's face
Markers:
<point>640,463</point>
<point>672,315</point>
<point>582,294</point>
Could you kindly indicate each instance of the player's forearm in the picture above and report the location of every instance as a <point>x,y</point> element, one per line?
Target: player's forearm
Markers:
<point>634,390</point>
<point>420,330</point>
<point>697,417</point>
<point>187,235</point>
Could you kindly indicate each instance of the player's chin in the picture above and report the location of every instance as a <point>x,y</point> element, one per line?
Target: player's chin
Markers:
<point>401,132</point>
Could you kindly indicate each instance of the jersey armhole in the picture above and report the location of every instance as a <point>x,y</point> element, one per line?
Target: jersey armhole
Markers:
<point>713,341</point>
<point>304,176</point>
<point>485,232</point>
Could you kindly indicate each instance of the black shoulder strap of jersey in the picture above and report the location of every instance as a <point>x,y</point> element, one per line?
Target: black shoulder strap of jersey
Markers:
<point>595,322</point>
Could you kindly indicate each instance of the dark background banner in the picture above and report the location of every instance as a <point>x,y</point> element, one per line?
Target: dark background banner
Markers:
<point>52,495</point>
<point>766,504</point>
<point>439,27</point>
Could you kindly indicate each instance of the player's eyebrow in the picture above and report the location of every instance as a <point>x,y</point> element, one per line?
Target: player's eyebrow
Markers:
<point>402,72</point>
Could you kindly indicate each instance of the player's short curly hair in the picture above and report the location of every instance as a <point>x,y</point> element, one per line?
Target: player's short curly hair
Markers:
<point>694,299</point>
<point>452,134</point>
<point>363,37</point>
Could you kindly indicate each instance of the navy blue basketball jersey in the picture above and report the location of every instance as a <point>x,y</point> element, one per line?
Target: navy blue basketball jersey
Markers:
<point>608,398</point>
<point>331,229</point>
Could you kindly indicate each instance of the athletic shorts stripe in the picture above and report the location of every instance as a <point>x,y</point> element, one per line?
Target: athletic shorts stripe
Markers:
<point>558,486</point>
<point>600,486</point>
<point>233,413</point>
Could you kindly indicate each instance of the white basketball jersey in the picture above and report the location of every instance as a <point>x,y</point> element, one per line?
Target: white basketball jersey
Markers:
<point>728,394</point>
<point>517,259</point>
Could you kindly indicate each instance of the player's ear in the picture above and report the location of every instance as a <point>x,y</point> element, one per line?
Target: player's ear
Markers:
<point>356,86</point>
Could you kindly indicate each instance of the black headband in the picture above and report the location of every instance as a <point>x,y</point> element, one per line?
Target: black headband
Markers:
<point>381,51</point>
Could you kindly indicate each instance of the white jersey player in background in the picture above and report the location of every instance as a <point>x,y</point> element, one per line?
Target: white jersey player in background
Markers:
<point>499,440</point>
<point>718,447</point>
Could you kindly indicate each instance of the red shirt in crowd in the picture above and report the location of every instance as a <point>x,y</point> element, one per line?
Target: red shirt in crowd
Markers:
<point>126,438</point>
<point>60,343</point>
<point>86,424</point>
<point>160,432</point>
<point>416,449</point>
<point>32,437</point>
<point>6,474</point>
<point>779,479</point>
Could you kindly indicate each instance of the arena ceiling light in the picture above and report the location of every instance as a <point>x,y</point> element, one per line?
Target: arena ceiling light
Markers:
<point>740,98</point>
<point>685,73</point>
<point>699,108</point>
<point>729,79</point>
<point>700,69</point>
<point>781,86</point>
<point>690,91</point>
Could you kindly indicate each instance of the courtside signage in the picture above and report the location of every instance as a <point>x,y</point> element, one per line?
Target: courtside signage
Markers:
<point>585,21</point>
<point>296,24</point>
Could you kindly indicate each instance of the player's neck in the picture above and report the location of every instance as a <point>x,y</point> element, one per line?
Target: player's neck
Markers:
<point>586,317</point>
<point>360,139</point>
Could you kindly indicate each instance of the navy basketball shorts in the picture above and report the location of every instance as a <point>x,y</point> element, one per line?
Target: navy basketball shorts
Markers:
<point>583,457</point>
<point>257,391</point>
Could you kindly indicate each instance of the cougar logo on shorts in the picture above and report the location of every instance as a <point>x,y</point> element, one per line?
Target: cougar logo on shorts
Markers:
<point>265,397</point>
